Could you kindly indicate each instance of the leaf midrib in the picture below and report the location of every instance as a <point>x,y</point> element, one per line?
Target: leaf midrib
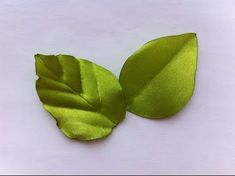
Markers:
<point>68,86</point>
<point>75,92</point>
<point>170,61</point>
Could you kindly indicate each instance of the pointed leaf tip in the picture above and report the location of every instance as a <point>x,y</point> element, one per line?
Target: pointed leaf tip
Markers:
<point>158,79</point>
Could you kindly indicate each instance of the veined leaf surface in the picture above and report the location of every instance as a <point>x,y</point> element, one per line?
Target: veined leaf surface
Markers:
<point>85,99</point>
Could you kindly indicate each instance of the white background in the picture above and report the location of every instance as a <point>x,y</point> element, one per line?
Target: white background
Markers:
<point>199,140</point>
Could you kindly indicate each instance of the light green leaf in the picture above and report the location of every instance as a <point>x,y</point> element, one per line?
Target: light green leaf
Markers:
<point>85,99</point>
<point>158,79</point>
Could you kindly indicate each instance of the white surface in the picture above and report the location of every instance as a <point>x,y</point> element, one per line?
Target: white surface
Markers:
<point>200,139</point>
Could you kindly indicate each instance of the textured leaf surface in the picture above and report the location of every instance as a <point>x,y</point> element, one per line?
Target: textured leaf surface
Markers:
<point>85,99</point>
<point>158,79</point>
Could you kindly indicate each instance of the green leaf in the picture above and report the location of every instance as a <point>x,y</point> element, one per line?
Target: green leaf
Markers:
<point>158,79</point>
<point>85,99</point>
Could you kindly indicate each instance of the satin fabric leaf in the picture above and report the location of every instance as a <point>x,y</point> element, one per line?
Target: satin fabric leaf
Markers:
<point>85,99</point>
<point>158,79</point>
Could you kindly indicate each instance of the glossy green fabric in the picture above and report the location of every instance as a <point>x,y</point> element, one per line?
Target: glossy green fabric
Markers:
<point>85,99</point>
<point>158,79</point>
